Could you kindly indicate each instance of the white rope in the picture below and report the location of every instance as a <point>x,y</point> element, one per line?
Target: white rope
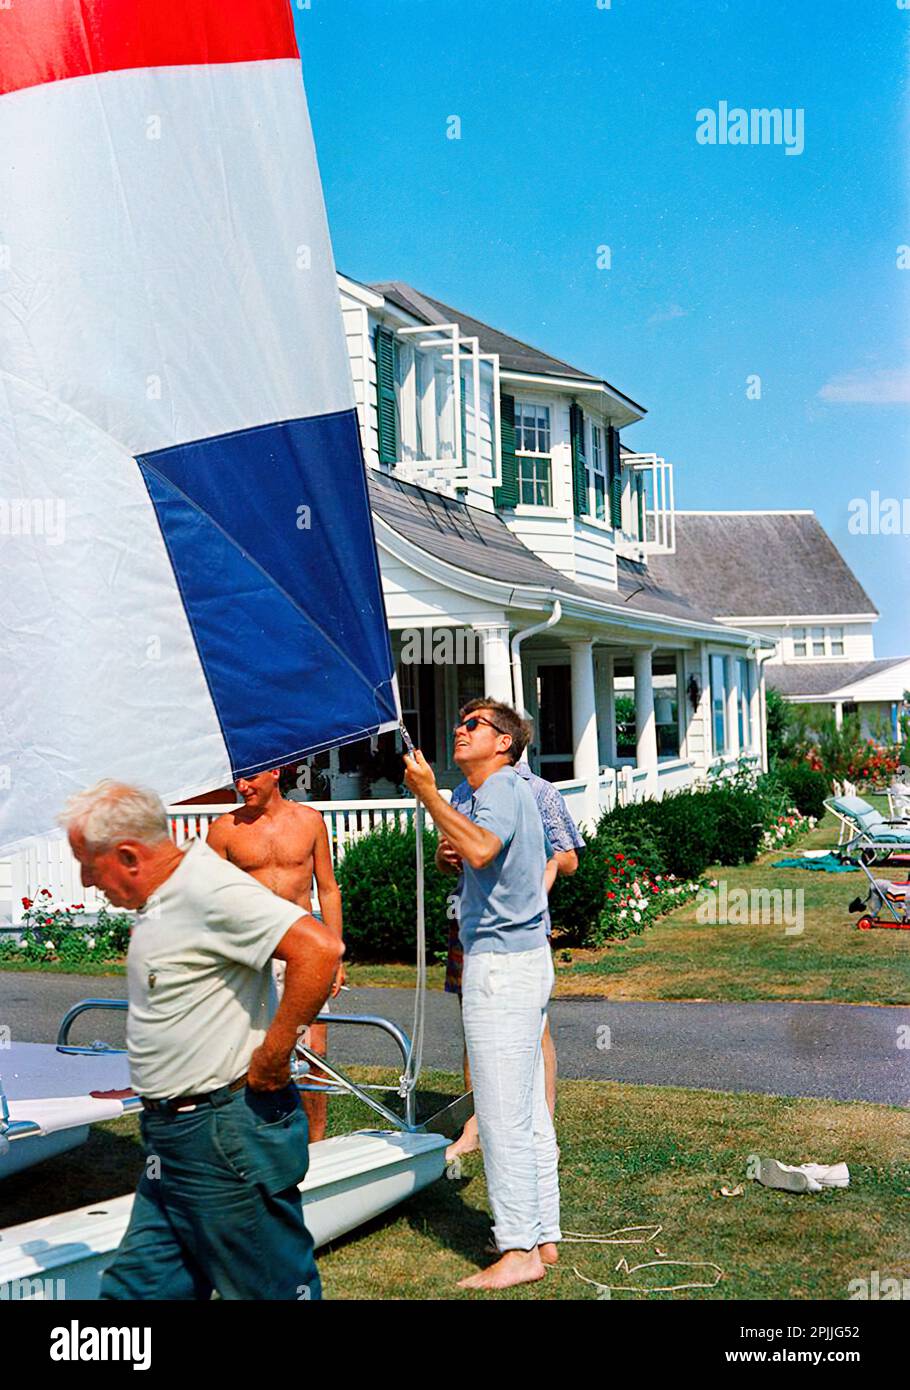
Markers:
<point>409,1077</point>
<point>618,1237</point>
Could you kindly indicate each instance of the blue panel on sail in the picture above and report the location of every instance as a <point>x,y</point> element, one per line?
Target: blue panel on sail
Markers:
<point>271,541</point>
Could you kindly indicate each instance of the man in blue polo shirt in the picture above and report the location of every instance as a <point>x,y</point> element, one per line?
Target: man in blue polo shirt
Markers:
<point>565,841</point>
<point>508,976</point>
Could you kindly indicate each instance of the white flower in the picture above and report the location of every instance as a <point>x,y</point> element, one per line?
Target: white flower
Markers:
<point>90,942</point>
<point>49,946</point>
<point>622,912</point>
<point>637,916</point>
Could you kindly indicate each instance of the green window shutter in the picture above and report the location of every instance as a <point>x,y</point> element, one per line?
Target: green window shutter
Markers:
<point>640,491</point>
<point>579,463</point>
<point>507,494</point>
<point>386,399</point>
<point>614,471</point>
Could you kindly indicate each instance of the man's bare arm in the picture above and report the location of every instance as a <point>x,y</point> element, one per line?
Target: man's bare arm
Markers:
<point>311,951</point>
<point>217,837</point>
<point>329,893</point>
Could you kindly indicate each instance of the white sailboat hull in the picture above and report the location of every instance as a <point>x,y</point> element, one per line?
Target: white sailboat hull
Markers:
<point>352,1179</point>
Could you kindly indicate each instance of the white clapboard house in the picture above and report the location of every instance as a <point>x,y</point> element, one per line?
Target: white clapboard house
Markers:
<point>517,536</point>
<point>780,574</point>
<point>520,540</point>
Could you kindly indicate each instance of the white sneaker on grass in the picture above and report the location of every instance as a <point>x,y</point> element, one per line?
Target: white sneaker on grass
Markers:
<point>805,1177</point>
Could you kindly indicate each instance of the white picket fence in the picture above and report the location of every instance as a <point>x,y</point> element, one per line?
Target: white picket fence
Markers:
<point>48,862</point>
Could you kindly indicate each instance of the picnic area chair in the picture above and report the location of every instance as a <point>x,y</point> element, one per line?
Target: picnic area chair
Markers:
<point>865,833</point>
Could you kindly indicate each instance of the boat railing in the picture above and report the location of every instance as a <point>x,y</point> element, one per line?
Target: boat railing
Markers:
<point>306,1079</point>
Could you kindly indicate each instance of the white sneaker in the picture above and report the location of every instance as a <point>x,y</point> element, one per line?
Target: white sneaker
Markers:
<point>786,1177</point>
<point>829,1175</point>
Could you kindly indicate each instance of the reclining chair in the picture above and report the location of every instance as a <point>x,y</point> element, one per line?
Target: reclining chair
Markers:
<point>865,833</point>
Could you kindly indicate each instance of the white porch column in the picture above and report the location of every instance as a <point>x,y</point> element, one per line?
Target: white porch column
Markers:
<point>755,707</point>
<point>838,714</point>
<point>584,724</point>
<point>606,709</point>
<point>497,670</point>
<point>731,674</point>
<point>645,724</point>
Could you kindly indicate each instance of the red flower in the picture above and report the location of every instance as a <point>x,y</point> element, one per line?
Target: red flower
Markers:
<point>611,895</point>
<point>631,861</point>
<point>26,903</point>
<point>620,856</point>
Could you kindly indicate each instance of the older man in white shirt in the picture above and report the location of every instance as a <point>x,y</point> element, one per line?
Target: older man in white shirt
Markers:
<point>217,1207</point>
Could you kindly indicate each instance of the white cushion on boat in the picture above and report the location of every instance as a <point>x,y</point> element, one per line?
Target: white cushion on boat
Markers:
<point>64,1112</point>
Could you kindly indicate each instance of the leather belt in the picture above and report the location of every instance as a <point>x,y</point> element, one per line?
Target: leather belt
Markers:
<point>188,1102</point>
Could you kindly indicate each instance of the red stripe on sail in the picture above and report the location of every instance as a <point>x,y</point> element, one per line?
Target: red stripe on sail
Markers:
<point>51,40</point>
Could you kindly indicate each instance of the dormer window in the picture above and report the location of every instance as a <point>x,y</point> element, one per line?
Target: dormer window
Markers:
<point>532,451</point>
<point>818,641</point>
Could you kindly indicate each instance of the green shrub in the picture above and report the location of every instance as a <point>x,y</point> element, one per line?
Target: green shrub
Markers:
<point>577,900</point>
<point>805,787</point>
<point>378,883</point>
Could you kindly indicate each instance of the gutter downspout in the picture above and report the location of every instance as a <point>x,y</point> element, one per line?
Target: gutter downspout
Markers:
<point>518,693</point>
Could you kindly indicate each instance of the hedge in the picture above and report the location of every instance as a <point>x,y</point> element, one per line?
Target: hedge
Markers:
<point>672,841</point>
<point>378,882</point>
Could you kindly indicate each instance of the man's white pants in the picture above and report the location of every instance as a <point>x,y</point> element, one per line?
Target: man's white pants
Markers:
<point>504,1003</point>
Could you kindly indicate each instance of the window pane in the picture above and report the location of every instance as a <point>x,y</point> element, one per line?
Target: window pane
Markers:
<point>719,704</point>
<point>745,728</point>
<point>600,497</point>
<point>837,641</point>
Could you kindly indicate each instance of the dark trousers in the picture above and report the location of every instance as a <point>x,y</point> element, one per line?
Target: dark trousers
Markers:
<point>217,1207</point>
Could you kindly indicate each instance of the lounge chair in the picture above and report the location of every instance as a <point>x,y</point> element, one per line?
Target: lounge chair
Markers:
<point>865,833</point>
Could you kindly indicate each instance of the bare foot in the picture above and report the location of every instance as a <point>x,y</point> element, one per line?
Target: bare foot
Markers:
<point>467,1143</point>
<point>514,1267</point>
<point>549,1252</point>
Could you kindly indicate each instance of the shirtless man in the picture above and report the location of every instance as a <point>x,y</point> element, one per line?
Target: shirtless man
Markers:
<point>283,844</point>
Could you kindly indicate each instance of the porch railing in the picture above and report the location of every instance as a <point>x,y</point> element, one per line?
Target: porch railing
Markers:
<point>48,862</point>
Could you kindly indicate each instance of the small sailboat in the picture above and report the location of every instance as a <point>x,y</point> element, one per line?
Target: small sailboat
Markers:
<point>352,1178</point>
<point>195,594</point>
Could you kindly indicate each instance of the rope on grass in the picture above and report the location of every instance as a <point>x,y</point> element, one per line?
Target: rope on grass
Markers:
<point>620,1237</point>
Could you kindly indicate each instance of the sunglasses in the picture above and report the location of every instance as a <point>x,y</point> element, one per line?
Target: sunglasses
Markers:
<point>471,724</point>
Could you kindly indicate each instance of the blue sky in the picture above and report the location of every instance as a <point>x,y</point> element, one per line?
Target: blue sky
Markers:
<point>728,261</point>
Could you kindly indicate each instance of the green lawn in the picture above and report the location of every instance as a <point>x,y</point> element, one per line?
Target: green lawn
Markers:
<point>630,1155</point>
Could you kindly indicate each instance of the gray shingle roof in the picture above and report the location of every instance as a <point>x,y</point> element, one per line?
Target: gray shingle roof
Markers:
<point>759,564</point>
<point>514,355</point>
<point>481,543</point>
<point>807,678</point>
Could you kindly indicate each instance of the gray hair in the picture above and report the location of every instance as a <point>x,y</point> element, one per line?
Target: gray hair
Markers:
<point>113,811</point>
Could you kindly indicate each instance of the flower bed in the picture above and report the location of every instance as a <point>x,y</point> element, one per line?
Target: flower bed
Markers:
<point>636,897</point>
<point>54,932</point>
<point>785,830</point>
